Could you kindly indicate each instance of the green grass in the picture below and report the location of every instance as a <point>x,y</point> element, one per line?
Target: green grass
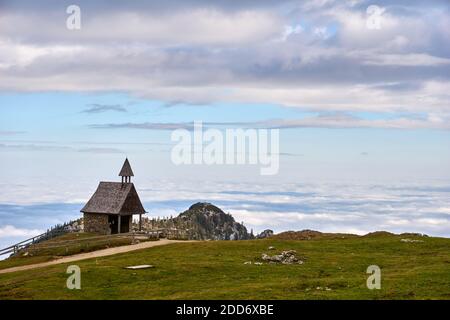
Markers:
<point>216,270</point>
<point>65,245</point>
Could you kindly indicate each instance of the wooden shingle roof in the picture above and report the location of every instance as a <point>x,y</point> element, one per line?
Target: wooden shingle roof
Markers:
<point>126,170</point>
<point>114,198</point>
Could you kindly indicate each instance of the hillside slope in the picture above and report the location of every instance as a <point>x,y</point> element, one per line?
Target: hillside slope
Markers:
<point>332,269</point>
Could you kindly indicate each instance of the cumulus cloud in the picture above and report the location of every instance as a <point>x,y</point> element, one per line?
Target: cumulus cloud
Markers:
<point>314,55</point>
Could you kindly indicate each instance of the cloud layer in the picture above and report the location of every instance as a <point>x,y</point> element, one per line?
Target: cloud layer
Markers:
<point>9,231</point>
<point>330,207</point>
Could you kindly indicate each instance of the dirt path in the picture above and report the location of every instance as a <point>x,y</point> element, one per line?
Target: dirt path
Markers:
<point>94,254</point>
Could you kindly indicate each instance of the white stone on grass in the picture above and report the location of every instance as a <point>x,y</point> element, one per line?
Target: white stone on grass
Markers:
<point>144,266</point>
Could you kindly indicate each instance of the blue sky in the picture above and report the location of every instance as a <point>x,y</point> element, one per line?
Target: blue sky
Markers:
<point>357,108</point>
<point>61,124</point>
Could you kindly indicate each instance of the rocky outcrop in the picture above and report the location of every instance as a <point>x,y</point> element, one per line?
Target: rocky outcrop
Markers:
<point>202,221</point>
<point>209,222</point>
<point>265,234</point>
<point>74,226</point>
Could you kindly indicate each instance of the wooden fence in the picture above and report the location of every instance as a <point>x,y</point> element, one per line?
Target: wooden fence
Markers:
<point>157,233</point>
<point>28,242</point>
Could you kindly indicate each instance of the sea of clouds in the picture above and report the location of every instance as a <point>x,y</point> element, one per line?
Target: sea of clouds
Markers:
<point>329,207</point>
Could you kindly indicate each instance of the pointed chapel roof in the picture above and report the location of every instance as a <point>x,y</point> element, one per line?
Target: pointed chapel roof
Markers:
<point>115,198</point>
<point>126,169</point>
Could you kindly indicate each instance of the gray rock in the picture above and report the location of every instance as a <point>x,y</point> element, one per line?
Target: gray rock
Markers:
<point>286,257</point>
<point>144,266</point>
<point>265,234</point>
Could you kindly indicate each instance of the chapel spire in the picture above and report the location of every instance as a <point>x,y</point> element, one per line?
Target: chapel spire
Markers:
<point>126,173</point>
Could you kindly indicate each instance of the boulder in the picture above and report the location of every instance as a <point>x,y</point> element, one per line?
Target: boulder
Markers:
<point>286,257</point>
